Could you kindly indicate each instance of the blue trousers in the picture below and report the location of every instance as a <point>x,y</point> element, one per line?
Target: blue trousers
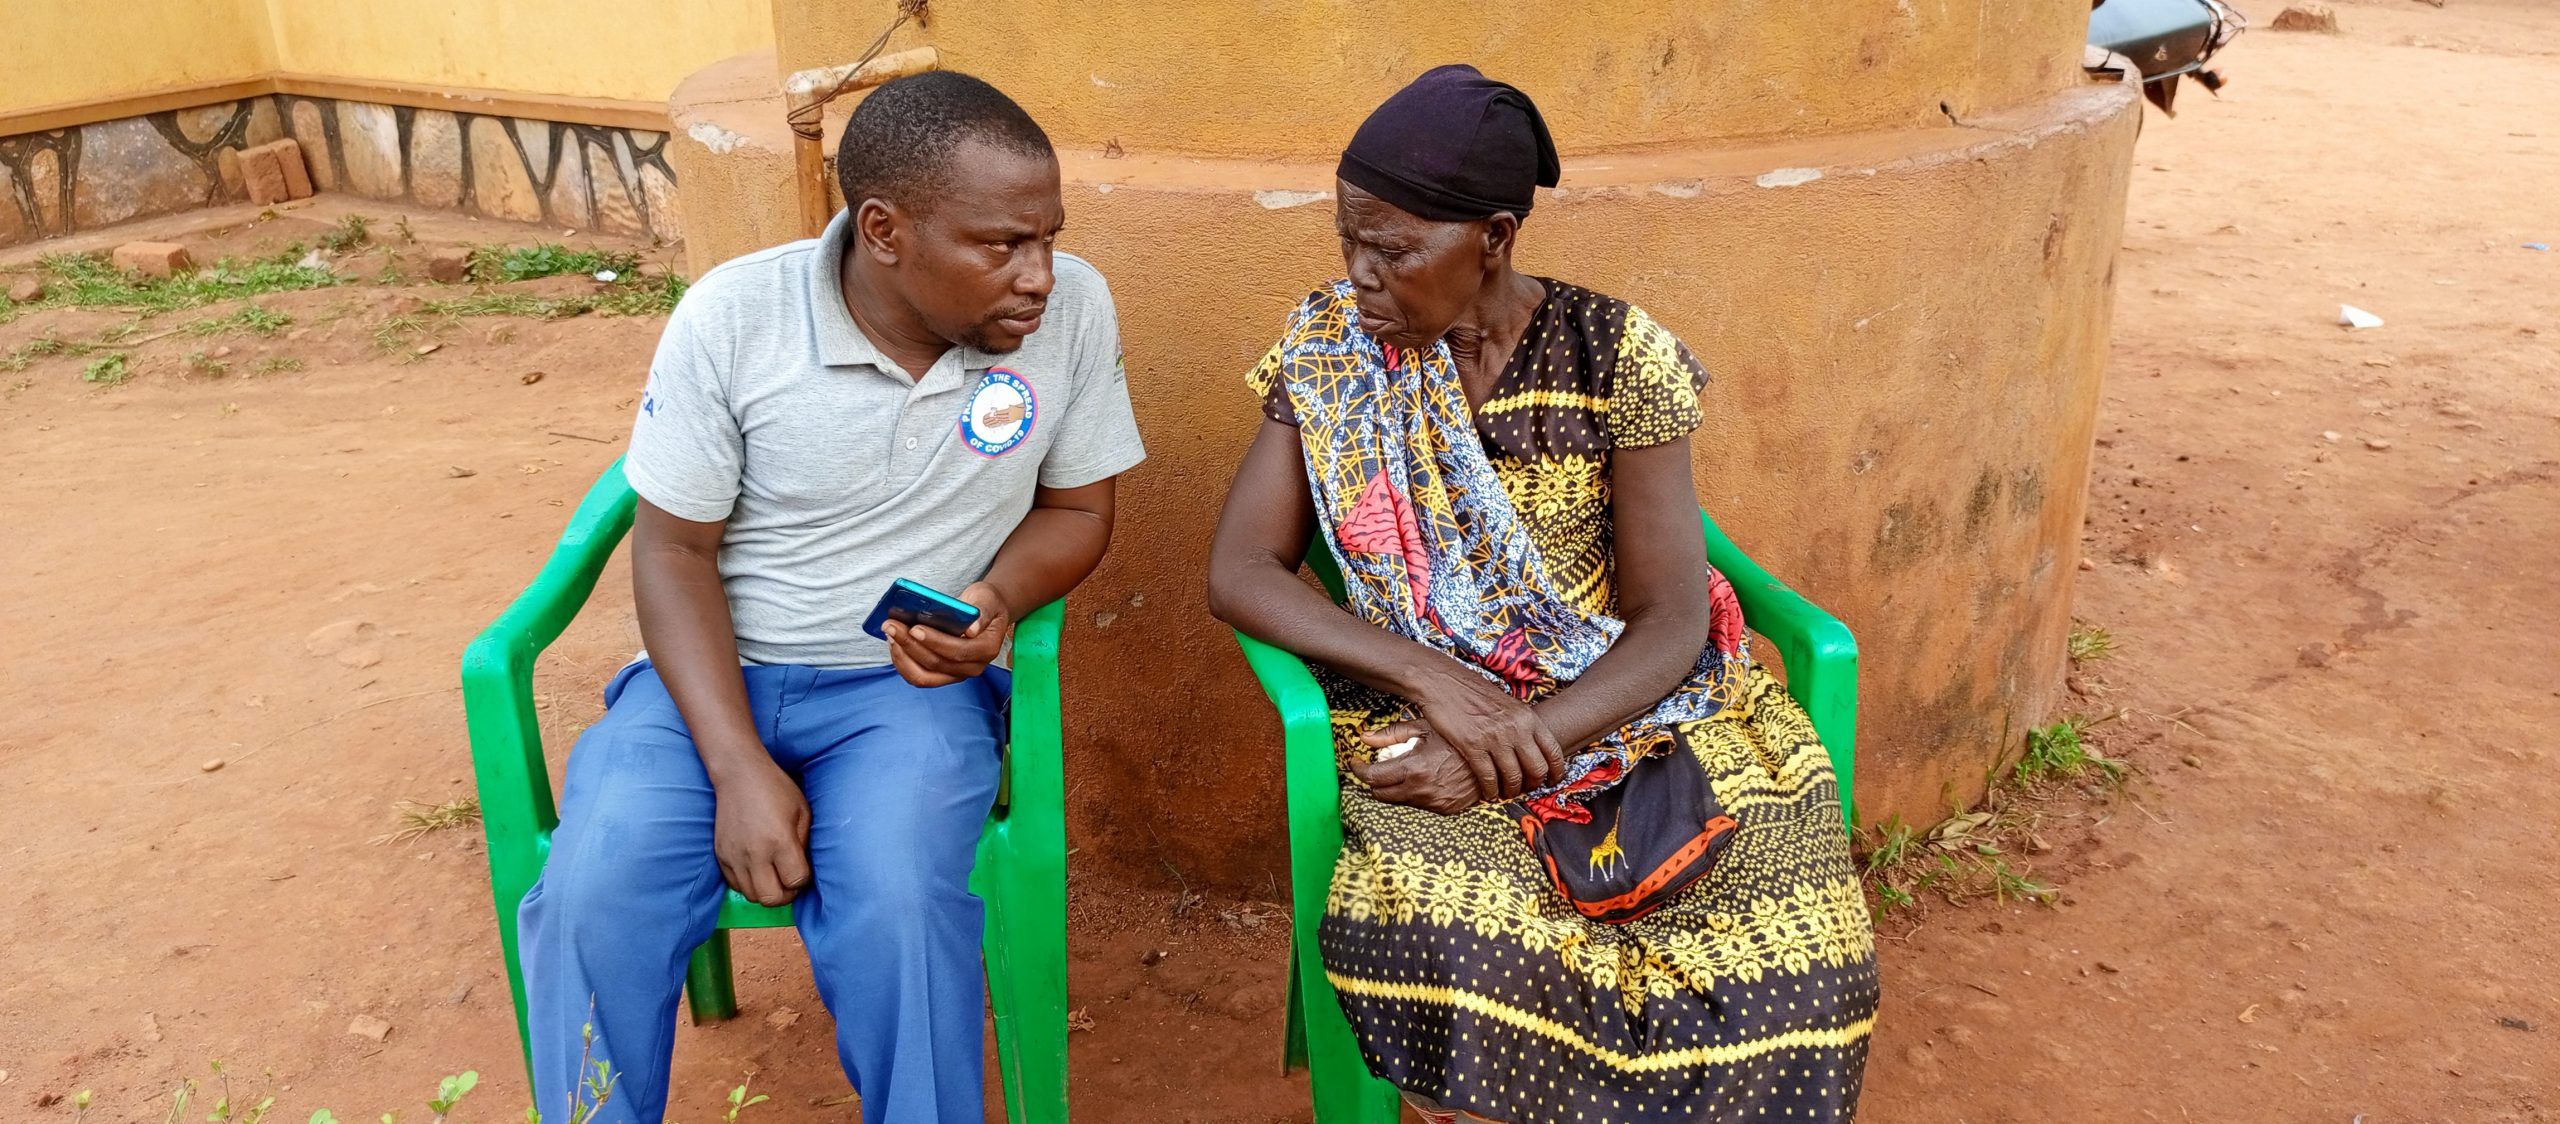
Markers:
<point>899,780</point>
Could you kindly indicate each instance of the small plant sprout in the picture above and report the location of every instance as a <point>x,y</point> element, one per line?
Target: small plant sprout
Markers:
<point>1893,839</point>
<point>351,232</point>
<point>2090,643</point>
<point>450,1091</point>
<point>2053,751</point>
<point>107,370</point>
<point>178,1098</point>
<point>418,818</point>
<point>739,1102</point>
<point>545,259</point>
<point>596,1087</point>
<point>2008,884</point>
<point>246,318</point>
<point>395,331</point>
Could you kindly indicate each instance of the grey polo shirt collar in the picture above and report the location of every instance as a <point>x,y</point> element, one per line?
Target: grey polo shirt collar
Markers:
<point>840,340</point>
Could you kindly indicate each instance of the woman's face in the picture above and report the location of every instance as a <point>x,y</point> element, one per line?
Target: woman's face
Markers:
<point>1414,277</point>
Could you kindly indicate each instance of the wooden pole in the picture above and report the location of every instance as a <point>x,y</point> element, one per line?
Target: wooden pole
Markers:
<point>805,95</point>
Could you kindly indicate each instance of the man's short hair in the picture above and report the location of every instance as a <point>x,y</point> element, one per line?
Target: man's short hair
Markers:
<point>899,145</point>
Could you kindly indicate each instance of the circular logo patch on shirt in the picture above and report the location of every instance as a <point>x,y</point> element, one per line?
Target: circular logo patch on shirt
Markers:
<point>999,413</point>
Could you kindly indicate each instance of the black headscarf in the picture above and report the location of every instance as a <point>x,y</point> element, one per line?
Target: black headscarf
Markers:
<point>1455,145</point>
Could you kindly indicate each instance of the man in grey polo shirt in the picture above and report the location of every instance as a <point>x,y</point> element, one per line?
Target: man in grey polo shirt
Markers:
<point>930,392</point>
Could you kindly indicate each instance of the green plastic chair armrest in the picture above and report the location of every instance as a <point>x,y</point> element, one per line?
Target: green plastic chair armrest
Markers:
<point>1314,791</point>
<point>1820,653</point>
<point>497,677</point>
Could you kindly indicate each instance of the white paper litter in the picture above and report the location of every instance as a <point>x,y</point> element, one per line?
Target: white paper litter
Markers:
<point>605,275</point>
<point>2354,317</point>
<point>1397,750</point>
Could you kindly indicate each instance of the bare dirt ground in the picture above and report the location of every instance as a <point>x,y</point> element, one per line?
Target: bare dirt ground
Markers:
<point>2325,896</point>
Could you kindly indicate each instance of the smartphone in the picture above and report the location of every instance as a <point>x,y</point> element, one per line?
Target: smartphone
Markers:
<point>916,604</point>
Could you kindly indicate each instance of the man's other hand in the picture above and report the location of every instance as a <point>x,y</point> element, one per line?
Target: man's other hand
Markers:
<point>760,832</point>
<point>930,657</point>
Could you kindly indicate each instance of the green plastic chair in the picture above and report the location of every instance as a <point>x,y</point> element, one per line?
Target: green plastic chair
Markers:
<point>1022,856</point>
<point>1822,673</point>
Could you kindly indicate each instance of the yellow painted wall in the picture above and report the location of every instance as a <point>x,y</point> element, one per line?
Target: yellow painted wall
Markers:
<point>57,51</point>
<point>1290,78</point>
<point>630,49</point>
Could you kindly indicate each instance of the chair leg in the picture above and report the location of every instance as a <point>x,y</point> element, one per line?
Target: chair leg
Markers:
<point>707,984</point>
<point>1026,956</point>
<point>1293,1037</point>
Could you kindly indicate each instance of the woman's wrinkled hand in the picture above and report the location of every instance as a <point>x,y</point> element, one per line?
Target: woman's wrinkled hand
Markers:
<point>1430,776</point>
<point>1503,743</point>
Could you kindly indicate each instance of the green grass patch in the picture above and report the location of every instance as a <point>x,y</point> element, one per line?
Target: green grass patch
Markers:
<point>395,332</point>
<point>511,304</point>
<point>110,369</point>
<point>274,363</point>
<point>246,318</point>
<point>1892,845</point>
<point>91,281</point>
<point>351,232</point>
<point>17,358</point>
<point>2091,642</point>
<point>544,259</point>
<point>651,295</point>
<point>204,364</point>
<point>2058,752</point>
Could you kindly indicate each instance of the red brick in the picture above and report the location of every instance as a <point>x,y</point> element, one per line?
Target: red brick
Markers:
<point>450,265</point>
<point>297,175</point>
<point>265,175</point>
<point>27,290</point>
<point>153,259</point>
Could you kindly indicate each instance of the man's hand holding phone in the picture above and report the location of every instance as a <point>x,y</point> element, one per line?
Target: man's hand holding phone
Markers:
<point>930,657</point>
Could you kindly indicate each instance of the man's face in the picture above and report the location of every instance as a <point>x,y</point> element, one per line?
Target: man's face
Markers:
<point>975,264</point>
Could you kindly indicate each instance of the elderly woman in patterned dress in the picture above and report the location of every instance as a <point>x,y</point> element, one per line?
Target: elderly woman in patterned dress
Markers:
<point>1593,867</point>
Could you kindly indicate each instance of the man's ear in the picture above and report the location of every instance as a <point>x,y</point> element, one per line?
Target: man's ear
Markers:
<point>880,229</point>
